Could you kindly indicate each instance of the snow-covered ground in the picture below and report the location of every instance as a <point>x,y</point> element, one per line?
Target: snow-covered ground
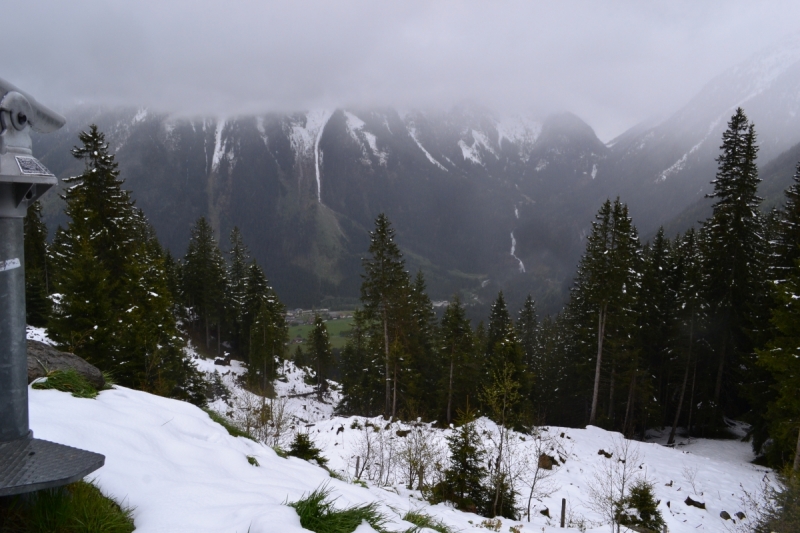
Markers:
<point>183,472</point>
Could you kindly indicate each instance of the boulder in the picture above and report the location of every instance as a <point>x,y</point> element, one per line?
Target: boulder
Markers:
<point>691,502</point>
<point>43,358</point>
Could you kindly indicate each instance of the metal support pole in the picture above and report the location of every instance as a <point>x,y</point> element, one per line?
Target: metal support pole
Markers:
<point>13,361</point>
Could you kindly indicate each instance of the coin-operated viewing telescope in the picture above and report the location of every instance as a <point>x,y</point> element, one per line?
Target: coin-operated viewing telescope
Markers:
<point>26,464</point>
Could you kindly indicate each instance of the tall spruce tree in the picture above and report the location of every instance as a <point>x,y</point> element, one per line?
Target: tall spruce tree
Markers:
<point>735,259</point>
<point>690,316</point>
<point>384,292</point>
<point>37,302</point>
<point>502,344</point>
<point>601,301</point>
<point>237,285</point>
<point>781,358</point>
<point>656,308</point>
<point>114,308</point>
<point>457,346</point>
<point>204,279</point>
<point>320,352</point>
<point>362,371</point>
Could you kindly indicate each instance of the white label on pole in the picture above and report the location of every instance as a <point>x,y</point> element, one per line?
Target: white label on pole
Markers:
<point>9,264</point>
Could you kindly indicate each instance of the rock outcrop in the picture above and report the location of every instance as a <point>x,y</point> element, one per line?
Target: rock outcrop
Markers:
<point>43,358</point>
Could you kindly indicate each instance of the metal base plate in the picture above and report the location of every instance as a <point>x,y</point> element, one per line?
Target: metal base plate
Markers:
<point>27,465</point>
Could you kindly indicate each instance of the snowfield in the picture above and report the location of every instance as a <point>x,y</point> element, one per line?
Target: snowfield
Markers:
<point>182,472</point>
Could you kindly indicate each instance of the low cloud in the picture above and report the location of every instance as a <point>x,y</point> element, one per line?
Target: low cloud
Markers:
<point>612,63</point>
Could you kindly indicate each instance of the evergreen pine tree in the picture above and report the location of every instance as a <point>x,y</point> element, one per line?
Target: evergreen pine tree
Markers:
<point>457,346</point>
<point>320,351</point>
<point>204,279</point>
<point>237,285</point>
<point>464,478</point>
<point>656,308</point>
<point>362,371</point>
<point>383,294</point>
<point>114,308</point>
<point>690,315</point>
<point>502,346</point>
<point>421,368</point>
<point>786,249</point>
<point>600,308</point>
<point>37,302</point>
<point>735,259</point>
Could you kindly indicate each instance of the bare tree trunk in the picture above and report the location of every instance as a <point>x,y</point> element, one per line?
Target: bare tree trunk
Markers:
<point>601,324</point>
<point>386,350</point>
<point>691,401</point>
<point>394,399</point>
<point>718,388</point>
<point>671,439</point>
<point>796,465</point>
<point>208,335</point>
<point>611,393</point>
<point>450,391</point>
<point>629,406</point>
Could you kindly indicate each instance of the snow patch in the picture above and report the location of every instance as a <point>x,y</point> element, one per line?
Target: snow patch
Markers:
<point>141,114</point>
<point>594,171</point>
<point>219,146</point>
<point>521,132</point>
<point>412,131</point>
<point>304,138</point>
<point>38,334</point>
<point>513,249</point>
<point>356,126</point>
<point>469,153</point>
<point>680,164</point>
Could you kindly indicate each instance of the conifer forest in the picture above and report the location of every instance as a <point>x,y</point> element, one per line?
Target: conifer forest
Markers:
<point>686,330</point>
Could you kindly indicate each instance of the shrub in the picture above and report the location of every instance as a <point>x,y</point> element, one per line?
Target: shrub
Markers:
<point>640,508</point>
<point>317,514</point>
<point>782,512</point>
<point>303,447</point>
<point>76,508</point>
<point>67,381</point>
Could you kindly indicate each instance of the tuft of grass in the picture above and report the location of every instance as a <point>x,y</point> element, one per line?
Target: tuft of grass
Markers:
<point>76,508</point>
<point>228,425</point>
<point>67,381</point>
<point>108,377</point>
<point>422,520</point>
<point>252,460</point>
<point>281,452</point>
<point>317,514</point>
<point>336,475</point>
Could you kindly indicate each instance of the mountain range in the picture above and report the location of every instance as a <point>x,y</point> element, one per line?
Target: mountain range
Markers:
<point>479,202</point>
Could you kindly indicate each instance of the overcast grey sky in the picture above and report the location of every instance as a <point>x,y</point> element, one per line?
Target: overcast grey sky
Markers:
<point>613,63</point>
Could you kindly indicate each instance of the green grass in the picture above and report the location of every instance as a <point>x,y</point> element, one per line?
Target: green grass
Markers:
<point>67,381</point>
<point>317,514</point>
<point>228,425</point>
<point>335,328</point>
<point>422,520</point>
<point>76,508</point>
